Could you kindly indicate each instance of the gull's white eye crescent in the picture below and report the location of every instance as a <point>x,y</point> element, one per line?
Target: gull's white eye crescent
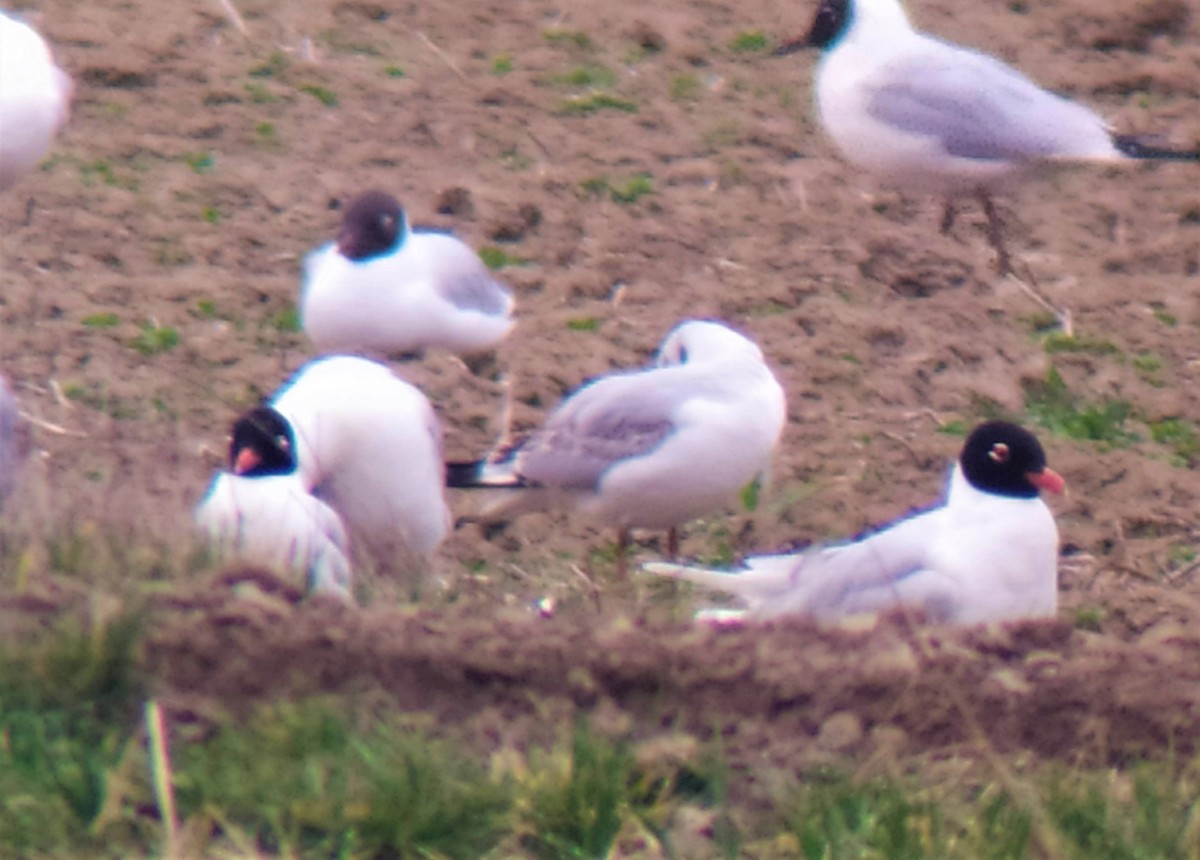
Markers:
<point>999,453</point>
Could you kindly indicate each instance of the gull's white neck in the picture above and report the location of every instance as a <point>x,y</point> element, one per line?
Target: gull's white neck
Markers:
<point>877,23</point>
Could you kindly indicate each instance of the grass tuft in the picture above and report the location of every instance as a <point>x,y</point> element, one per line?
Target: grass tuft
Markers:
<point>1052,405</point>
<point>590,103</point>
<point>322,94</point>
<point>749,42</point>
<point>154,339</point>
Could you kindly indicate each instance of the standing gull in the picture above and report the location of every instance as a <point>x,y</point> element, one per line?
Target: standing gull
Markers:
<point>988,552</point>
<point>34,98</point>
<point>933,117</point>
<point>650,448</point>
<point>386,287</point>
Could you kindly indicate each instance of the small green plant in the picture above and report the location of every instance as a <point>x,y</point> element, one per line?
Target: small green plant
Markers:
<point>211,215</point>
<point>101,320</point>
<point>750,494</point>
<point>322,94</point>
<point>394,72</point>
<point>496,258</point>
<point>1181,436</point>
<point>1089,618</point>
<point>259,94</point>
<point>1058,341</point>
<point>286,320</point>
<point>634,189</point>
<point>685,87</point>
<point>101,171</point>
<point>595,186</point>
<point>591,75</point>
<point>274,65</point>
<point>749,41</point>
<point>562,36</point>
<point>502,64</point>
<point>154,339</point>
<point>584,324</point>
<point>590,103</point>
<point>953,428</point>
<point>1163,315</point>
<point>200,162</point>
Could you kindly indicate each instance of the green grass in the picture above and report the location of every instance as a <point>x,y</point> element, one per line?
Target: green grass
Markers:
<point>302,780</point>
<point>590,103</point>
<point>685,87</point>
<point>502,64</point>
<point>564,36</point>
<point>322,94</point>
<point>584,324</point>
<point>592,75</point>
<point>154,339</point>
<point>329,777</point>
<point>749,42</point>
<point>1052,405</point>
<point>101,320</point>
<point>633,189</point>
<point>286,320</point>
<point>1058,341</point>
<point>496,258</point>
<point>200,162</point>
<point>1180,436</point>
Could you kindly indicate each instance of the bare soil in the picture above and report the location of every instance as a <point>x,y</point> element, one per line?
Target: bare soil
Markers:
<point>200,164</point>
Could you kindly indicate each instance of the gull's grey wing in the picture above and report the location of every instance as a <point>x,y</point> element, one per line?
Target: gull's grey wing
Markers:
<point>612,419</point>
<point>855,576</point>
<point>976,107</point>
<point>460,276</point>
<point>477,292</point>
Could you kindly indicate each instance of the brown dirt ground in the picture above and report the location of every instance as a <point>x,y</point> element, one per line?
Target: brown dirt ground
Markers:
<point>200,165</point>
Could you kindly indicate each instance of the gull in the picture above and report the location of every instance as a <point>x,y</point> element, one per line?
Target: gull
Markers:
<point>386,287</point>
<point>988,552</point>
<point>649,448</point>
<point>364,442</point>
<point>929,116</point>
<point>35,95</point>
<point>273,521</point>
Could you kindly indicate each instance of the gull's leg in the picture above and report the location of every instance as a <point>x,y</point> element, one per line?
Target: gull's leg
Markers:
<point>996,234</point>
<point>672,543</point>
<point>948,215</point>
<point>1004,263</point>
<point>624,540</point>
<point>505,440</point>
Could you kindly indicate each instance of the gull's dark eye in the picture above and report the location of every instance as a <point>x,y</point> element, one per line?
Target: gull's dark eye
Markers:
<point>999,453</point>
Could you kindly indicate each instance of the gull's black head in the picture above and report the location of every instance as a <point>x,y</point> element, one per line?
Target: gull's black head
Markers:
<point>832,20</point>
<point>372,226</point>
<point>1007,460</point>
<point>262,444</point>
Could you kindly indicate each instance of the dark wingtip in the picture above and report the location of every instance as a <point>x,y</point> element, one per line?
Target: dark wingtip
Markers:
<point>462,475</point>
<point>1135,146</point>
<point>470,476</point>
